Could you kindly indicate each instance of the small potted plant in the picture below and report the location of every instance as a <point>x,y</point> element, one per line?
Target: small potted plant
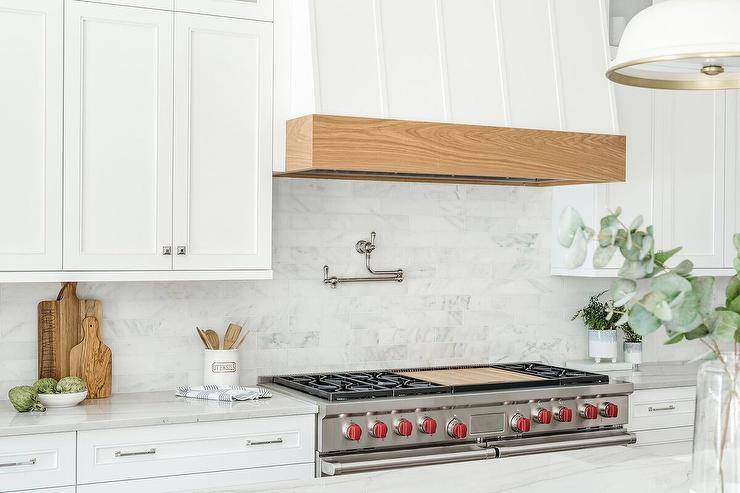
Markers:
<point>632,345</point>
<point>602,330</point>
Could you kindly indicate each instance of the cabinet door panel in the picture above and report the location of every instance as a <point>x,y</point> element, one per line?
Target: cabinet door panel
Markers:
<point>31,135</point>
<point>689,160</point>
<point>118,138</point>
<point>732,177</point>
<point>223,143</point>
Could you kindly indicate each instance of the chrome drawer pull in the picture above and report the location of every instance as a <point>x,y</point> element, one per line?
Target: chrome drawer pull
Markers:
<point>151,451</point>
<point>264,442</point>
<point>29,462</point>
<point>670,407</point>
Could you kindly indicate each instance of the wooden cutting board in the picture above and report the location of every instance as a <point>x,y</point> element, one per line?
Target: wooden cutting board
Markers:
<point>60,329</point>
<point>91,360</point>
<point>469,376</point>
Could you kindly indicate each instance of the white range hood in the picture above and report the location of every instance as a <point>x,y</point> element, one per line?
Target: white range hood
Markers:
<point>528,64</point>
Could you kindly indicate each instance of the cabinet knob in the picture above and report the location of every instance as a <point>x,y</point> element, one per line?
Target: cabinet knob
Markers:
<point>166,250</point>
<point>181,250</point>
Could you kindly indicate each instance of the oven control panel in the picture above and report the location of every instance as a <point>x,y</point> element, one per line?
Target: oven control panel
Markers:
<point>433,426</point>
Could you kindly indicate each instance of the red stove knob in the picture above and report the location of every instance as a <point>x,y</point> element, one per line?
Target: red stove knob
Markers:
<point>353,432</point>
<point>379,430</point>
<point>520,423</point>
<point>609,410</point>
<point>589,411</point>
<point>404,427</point>
<point>542,416</point>
<point>428,425</point>
<point>457,429</point>
<point>564,415</point>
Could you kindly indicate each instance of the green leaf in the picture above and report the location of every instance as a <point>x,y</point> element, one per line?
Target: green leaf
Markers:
<point>642,321</point>
<point>577,252</point>
<point>697,333</point>
<point>686,316</point>
<point>631,249</point>
<point>607,236</point>
<point>570,223</point>
<point>603,255</point>
<point>703,287</point>
<point>733,289</point>
<point>651,300</point>
<point>684,268</point>
<point>670,284</point>
<point>737,335</point>
<point>724,324</point>
<point>736,242</point>
<point>622,291</point>
<point>663,311</point>
<point>646,251</point>
<point>636,223</point>
<point>662,256</point>
<point>633,269</point>
<point>736,264</point>
<point>675,339</point>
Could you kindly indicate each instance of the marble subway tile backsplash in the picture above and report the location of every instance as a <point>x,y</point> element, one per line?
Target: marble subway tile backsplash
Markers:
<point>477,289</point>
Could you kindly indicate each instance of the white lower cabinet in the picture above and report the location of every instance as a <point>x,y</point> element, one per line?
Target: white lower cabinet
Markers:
<point>224,479</point>
<point>663,419</point>
<point>37,461</point>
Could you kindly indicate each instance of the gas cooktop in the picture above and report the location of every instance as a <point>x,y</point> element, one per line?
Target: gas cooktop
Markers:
<point>439,380</point>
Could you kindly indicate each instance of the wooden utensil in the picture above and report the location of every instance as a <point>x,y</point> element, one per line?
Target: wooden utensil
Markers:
<point>58,323</point>
<point>91,360</point>
<point>203,337</point>
<point>231,336</point>
<point>213,339</point>
<point>238,344</point>
<point>89,308</point>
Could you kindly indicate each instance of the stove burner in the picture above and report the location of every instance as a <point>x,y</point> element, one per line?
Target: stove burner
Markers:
<point>387,383</point>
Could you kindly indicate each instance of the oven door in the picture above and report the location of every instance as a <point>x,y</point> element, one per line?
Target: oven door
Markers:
<point>334,465</point>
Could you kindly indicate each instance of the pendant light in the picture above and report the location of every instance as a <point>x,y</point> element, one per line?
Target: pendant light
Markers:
<point>681,44</point>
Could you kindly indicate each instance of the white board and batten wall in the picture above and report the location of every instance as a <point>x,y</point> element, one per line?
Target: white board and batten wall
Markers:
<point>165,145</point>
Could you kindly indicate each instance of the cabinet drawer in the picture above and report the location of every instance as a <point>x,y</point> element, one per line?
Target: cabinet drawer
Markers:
<point>153,451</point>
<point>662,408</point>
<point>149,4</point>
<point>666,435</point>
<point>225,479</point>
<point>37,461</point>
<point>259,10</point>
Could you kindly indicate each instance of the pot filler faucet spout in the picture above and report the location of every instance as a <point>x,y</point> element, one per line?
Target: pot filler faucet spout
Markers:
<point>366,248</point>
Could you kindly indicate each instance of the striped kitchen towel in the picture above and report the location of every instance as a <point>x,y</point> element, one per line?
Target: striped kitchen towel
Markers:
<point>223,393</point>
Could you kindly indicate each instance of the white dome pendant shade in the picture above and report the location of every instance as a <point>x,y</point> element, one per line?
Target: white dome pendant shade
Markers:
<point>681,44</point>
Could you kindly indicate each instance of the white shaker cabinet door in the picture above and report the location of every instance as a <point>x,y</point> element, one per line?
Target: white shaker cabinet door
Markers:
<point>118,138</point>
<point>31,135</point>
<point>223,143</point>
<point>689,174</point>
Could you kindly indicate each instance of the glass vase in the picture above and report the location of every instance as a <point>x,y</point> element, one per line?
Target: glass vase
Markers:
<point>716,456</point>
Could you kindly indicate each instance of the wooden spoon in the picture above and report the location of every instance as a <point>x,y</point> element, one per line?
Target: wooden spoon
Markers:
<point>203,338</point>
<point>238,344</point>
<point>231,336</point>
<point>213,339</point>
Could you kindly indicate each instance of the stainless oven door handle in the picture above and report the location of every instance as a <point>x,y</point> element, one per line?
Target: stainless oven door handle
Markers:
<point>335,468</point>
<point>537,448</point>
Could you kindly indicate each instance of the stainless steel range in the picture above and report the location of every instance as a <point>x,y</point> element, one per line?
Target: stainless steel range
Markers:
<point>373,420</point>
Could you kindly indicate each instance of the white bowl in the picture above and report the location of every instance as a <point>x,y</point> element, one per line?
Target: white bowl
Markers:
<point>62,400</point>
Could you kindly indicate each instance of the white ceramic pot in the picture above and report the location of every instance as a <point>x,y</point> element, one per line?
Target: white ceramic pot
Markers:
<point>602,344</point>
<point>633,352</point>
<point>62,400</point>
<point>221,367</point>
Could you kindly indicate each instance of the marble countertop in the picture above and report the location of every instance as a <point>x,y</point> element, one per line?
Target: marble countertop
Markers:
<point>660,375</point>
<point>610,469</point>
<point>144,409</point>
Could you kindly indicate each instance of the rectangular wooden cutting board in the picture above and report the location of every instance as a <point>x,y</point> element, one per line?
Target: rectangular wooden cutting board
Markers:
<point>60,329</point>
<point>469,376</point>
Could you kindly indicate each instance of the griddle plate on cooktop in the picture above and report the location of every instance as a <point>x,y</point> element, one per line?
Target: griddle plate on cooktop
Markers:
<point>386,383</point>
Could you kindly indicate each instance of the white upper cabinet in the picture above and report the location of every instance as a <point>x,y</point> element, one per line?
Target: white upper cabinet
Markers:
<point>118,138</point>
<point>223,143</point>
<point>241,9</point>
<point>689,180</point>
<point>31,37</point>
<point>499,62</point>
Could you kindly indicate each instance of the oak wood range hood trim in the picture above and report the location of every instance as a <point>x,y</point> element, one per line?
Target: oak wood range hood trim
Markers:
<point>347,147</point>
